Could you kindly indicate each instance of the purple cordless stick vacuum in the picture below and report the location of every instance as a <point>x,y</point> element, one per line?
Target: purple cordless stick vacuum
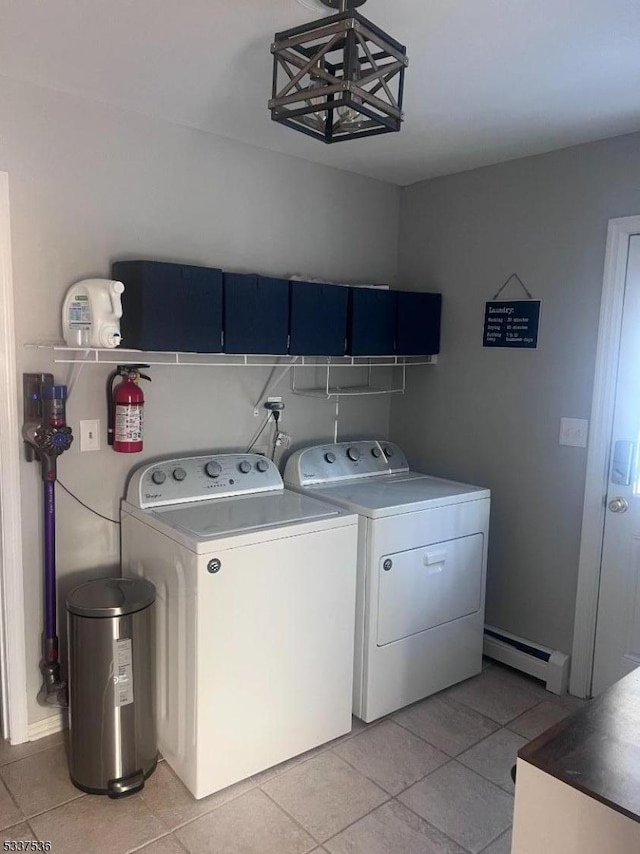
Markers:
<point>47,436</point>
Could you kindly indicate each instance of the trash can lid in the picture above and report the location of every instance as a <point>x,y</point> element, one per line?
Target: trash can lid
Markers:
<point>111,597</point>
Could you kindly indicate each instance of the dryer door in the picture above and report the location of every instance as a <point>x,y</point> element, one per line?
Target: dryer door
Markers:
<point>426,587</point>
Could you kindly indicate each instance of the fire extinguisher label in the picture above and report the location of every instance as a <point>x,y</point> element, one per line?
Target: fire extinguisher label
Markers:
<point>122,672</point>
<point>128,426</point>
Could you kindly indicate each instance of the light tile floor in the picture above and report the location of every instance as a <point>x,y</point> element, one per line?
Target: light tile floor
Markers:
<point>430,779</point>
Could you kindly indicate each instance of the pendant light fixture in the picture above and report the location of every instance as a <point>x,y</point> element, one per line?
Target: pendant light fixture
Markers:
<point>338,78</point>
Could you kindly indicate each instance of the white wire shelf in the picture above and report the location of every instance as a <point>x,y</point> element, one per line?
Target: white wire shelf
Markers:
<point>346,391</point>
<point>121,356</point>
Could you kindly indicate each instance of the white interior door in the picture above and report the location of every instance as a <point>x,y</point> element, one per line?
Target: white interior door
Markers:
<point>617,649</point>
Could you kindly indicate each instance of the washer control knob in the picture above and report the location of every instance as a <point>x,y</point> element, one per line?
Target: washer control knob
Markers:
<point>377,453</point>
<point>388,452</point>
<point>245,467</point>
<point>158,477</point>
<point>213,469</point>
<point>262,465</point>
<point>353,454</point>
<point>330,457</point>
<point>179,474</point>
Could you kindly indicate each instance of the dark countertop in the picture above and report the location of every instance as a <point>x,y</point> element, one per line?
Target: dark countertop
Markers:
<point>597,749</point>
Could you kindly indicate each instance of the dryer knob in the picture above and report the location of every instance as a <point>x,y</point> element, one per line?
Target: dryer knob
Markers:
<point>213,469</point>
<point>262,465</point>
<point>179,474</point>
<point>158,477</point>
<point>388,451</point>
<point>353,454</point>
<point>245,467</point>
<point>377,453</point>
<point>329,457</point>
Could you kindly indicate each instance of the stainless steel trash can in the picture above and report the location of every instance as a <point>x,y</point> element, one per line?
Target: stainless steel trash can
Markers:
<point>112,730</point>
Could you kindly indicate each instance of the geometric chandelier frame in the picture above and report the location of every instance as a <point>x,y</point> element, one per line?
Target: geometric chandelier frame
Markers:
<point>338,78</point>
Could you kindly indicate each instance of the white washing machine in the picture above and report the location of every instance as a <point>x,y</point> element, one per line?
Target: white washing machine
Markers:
<point>422,557</point>
<point>255,613</point>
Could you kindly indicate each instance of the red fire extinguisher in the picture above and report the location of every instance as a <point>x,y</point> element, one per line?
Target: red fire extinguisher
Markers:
<point>125,405</point>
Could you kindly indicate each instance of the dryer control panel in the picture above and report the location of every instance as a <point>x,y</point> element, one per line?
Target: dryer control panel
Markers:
<point>186,479</point>
<point>343,461</point>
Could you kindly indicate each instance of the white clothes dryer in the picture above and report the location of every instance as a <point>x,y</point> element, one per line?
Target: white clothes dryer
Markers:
<point>254,613</point>
<point>422,557</point>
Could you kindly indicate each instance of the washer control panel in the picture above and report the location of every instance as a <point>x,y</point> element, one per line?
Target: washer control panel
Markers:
<point>343,461</point>
<point>199,478</point>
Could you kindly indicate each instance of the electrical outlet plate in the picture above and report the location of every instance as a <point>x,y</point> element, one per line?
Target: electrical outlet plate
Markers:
<point>574,432</point>
<point>90,435</point>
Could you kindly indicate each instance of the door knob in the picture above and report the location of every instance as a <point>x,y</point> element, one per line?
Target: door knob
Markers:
<point>618,505</point>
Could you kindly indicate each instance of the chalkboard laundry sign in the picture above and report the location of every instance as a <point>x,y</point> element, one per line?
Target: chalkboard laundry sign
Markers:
<point>512,324</point>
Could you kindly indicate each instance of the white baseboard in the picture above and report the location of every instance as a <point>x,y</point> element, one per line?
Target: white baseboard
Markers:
<point>48,726</point>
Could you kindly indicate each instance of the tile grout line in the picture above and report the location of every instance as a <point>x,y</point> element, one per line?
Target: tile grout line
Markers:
<point>430,743</point>
<point>293,818</point>
<point>34,834</point>
<point>13,800</point>
<point>431,824</point>
<point>152,842</point>
<point>78,797</point>
<point>28,755</point>
<point>460,703</point>
<point>366,776</point>
<point>321,750</point>
<point>206,812</point>
<point>179,843</point>
<point>499,836</point>
<point>488,717</point>
<point>395,796</point>
<point>390,800</point>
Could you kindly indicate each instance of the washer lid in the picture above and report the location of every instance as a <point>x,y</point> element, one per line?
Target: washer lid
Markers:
<point>111,597</point>
<point>215,518</point>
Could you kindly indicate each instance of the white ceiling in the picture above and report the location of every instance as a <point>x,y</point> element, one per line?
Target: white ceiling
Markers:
<point>488,80</point>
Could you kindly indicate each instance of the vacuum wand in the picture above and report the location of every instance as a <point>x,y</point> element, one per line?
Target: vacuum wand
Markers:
<point>50,641</point>
<point>46,437</point>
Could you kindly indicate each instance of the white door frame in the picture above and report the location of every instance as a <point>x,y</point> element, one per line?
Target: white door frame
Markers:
<point>597,476</point>
<point>13,673</point>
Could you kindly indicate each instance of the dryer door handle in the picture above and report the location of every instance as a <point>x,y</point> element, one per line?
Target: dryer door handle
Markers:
<point>434,560</point>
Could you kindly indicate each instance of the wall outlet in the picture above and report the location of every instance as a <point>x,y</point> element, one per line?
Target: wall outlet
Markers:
<point>274,404</point>
<point>574,432</point>
<point>90,435</point>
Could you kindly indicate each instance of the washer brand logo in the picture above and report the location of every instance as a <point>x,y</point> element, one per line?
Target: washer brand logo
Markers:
<point>152,495</point>
<point>309,474</point>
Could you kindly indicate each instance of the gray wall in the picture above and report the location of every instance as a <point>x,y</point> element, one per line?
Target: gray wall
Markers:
<point>493,417</point>
<point>89,182</point>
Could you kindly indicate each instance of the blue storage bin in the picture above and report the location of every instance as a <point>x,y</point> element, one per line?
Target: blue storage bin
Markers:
<point>175,307</point>
<point>418,323</point>
<point>372,322</point>
<point>318,319</point>
<point>256,314</point>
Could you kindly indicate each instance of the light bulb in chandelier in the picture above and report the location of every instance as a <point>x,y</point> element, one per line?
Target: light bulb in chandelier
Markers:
<point>318,117</point>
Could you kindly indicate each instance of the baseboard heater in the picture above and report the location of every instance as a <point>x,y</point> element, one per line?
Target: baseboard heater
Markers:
<point>548,665</point>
